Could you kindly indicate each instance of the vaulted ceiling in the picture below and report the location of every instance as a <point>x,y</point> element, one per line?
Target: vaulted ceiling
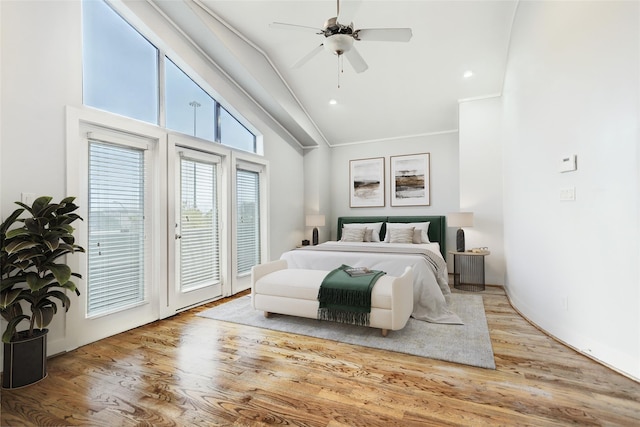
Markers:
<point>408,89</point>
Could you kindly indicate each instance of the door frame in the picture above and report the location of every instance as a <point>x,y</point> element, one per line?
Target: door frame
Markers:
<point>82,329</point>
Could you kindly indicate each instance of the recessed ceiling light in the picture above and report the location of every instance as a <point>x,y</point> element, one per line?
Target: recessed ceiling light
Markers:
<point>332,102</point>
<point>467,74</point>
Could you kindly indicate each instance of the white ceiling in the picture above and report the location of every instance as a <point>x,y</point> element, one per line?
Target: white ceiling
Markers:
<point>409,89</point>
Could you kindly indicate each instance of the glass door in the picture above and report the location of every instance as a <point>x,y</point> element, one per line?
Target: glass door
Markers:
<point>197,229</point>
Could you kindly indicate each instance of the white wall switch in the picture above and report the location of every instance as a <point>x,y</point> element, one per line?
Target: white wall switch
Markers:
<point>568,163</point>
<point>568,193</point>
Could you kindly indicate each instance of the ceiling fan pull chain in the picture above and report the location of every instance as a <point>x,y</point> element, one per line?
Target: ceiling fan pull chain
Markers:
<point>339,71</point>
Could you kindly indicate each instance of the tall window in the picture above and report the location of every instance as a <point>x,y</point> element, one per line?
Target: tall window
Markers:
<point>234,134</point>
<point>189,109</point>
<point>116,254</point>
<point>120,66</point>
<point>199,241</point>
<point>120,75</point>
<point>248,219</point>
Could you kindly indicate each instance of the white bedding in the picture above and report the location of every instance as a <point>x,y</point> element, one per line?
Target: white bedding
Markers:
<point>430,276</point>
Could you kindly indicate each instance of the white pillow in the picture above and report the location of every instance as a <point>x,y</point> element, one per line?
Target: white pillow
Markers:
<point>368,235</point>
<point>401,235</point>
<point>375,226</point>
<point>422,226</point>
<point>352,234</point>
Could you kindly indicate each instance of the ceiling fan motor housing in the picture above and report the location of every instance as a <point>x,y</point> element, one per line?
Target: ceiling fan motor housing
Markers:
<point>332,26</point>
<point>339,37</point>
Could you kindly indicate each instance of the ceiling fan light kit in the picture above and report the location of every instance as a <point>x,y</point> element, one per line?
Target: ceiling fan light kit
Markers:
<point>338,44</point>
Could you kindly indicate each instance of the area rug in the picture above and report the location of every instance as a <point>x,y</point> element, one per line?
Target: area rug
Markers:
<point>468,344</point>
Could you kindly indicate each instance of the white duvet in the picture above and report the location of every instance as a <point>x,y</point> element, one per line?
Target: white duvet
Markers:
<point>430,276</point>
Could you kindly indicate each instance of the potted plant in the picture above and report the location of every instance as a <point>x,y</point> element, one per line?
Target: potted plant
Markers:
<point>34,275</point>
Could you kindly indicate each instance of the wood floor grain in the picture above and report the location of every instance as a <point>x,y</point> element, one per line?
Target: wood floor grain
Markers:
<point>193,371</point>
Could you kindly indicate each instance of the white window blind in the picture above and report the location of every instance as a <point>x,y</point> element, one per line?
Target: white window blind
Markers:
<point>199,239</point>
<point>116,222</point>
<point>248,219</point>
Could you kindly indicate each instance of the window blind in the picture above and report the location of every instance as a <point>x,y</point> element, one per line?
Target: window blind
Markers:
<point>199,241</point>
<point>116,223</point>
<point>248,220</point>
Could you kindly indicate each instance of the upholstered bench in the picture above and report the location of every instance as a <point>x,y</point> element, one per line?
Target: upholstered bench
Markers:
<point>294,292</point>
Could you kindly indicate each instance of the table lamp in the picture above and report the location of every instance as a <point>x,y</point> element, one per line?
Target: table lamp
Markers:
<point>315,221</point>
<point>460,219</point>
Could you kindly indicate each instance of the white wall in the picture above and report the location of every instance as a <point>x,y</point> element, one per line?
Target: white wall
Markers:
<point>443,149</point>
<point>481,181</point>
<point>572,87</point>
<point>318,198</point>
<point>41,73</point>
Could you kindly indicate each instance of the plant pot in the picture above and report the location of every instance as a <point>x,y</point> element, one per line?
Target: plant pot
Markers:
<point>25,360</point>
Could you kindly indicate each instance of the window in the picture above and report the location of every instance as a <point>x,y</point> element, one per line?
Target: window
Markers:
<point>120,75</point>
<point>199,259</point>
<point>234,134</point>
<point>120,66</point>
<point>116,223</point>
<point>248,219</point>
<point>189,109</point>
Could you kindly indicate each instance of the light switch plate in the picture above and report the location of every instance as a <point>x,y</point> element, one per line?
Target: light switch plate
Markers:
<point>568,163</point>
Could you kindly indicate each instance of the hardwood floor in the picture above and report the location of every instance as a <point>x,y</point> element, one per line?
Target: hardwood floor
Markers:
<point>193,371</point>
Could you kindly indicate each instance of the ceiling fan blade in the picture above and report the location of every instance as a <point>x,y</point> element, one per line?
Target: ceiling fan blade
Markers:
<point>307,57</point>
<point>347,10</point>
<point>356,60</point>
<point>384,34</point>
<point>283,26</point>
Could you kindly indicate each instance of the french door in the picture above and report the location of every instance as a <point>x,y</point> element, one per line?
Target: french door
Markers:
<point>116,195</point>
<point>197,237</point>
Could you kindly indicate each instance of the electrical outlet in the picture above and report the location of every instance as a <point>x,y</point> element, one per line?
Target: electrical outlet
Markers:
<point>565,303</point>
<point>568,194</point>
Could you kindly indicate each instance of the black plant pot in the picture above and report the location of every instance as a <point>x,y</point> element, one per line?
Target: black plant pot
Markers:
<point>25,360</point>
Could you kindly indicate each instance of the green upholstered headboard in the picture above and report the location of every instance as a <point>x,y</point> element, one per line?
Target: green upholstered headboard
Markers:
<point>437,226</point>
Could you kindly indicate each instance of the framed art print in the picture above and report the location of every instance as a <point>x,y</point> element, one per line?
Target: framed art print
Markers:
<point>366,183</point>
<point>410,178</point>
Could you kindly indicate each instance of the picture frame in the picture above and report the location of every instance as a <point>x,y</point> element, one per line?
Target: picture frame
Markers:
<point>366,183</point>
<point>410,180</point>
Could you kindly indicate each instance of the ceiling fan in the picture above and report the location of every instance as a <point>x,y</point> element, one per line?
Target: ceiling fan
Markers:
<point>340,36</point>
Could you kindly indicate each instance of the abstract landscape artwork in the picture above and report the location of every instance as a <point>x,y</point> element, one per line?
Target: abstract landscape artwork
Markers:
<point>366,181</point>
<point>410,180</point>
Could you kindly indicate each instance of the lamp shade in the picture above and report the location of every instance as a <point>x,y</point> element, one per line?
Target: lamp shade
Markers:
<point>460,219</point>
<point>314,220</point>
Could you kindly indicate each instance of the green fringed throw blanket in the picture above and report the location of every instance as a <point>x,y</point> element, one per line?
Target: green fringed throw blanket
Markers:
<point>347,299</point>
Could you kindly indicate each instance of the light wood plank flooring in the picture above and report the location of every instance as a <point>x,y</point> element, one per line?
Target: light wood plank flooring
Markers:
<point>192,371</point>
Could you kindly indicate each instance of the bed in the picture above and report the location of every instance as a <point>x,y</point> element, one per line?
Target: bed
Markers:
<point>430,276</point>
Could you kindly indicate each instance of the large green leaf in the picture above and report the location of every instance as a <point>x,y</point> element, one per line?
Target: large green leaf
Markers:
<point>16,232</point>
<point>28,256</point>
<point>64,299</point>
<point>10,220</point>
<point>43,315</point>
<point>16,246</point>
<point>40,203</point>
<point>62,272</point>
<point>71,286</point>
<point>8,297</point>
<point>36,283</point>
<point>11,327</point>
<point>52,242</point>
<point>14,310</point>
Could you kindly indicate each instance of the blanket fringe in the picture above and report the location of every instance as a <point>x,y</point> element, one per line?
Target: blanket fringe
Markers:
<point>343,316</point>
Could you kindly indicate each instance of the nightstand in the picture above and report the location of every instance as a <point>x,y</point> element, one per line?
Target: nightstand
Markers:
<point>468,270</point>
